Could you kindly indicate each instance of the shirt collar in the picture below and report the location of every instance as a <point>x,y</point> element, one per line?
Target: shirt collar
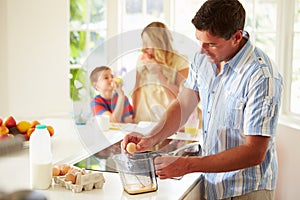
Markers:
<point>237,62</point>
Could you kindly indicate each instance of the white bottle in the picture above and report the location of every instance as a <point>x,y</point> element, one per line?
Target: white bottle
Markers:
<point>40,158</point>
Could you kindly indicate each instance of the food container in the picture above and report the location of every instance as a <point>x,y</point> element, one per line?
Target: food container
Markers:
<point>88,181</point>
<point>137,172</point>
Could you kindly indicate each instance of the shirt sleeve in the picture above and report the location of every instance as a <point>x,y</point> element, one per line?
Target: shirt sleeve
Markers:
<point>263,103</point>
<point>192,80</point>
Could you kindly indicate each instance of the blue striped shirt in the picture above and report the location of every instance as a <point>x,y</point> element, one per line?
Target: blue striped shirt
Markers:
<point>243,99</point>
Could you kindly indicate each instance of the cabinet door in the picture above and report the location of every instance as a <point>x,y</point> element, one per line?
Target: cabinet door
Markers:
<point>194,193</point>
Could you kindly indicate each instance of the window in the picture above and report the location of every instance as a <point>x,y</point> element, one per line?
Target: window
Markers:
<point>176,14</point>
<point>87,28</point>
<point>261,23</point>
<point>141,12</point>
<point>182,16</point>
<point>295,85</point>
<point>271,24</point>
<point>183,29</point>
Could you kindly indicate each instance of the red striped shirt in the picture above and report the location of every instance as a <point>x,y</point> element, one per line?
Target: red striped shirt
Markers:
<point>100,105</point>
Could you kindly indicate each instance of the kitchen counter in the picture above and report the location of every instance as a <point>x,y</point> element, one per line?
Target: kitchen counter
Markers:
<point>71,144</point>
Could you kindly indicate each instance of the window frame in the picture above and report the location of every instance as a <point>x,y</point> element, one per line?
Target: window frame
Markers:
<point>284,59</point>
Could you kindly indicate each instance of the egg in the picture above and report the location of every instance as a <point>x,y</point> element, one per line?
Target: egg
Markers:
<point>55,170</point>
<point>131,147</point>
<point>71,177</point>
<point>64,169</point>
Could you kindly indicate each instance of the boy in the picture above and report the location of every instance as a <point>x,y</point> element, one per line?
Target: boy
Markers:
<point>111,100</point>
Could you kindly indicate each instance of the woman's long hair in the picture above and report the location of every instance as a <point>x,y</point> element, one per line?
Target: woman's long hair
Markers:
<point>161,40</point>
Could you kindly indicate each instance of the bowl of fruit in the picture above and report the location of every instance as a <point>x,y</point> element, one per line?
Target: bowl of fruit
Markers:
<point>14,134</point>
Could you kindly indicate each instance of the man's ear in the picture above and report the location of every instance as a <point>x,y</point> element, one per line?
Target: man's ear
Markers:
<point>237,37</point>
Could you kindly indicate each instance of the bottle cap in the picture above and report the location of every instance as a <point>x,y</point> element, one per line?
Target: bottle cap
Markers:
<point>40,126</point>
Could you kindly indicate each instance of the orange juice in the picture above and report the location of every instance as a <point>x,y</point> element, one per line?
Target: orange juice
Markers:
<point>191,130</point>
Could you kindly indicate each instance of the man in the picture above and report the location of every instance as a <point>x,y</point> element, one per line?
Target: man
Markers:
<point>240,91</point>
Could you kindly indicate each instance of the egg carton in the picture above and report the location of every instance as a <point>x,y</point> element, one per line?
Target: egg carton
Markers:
<point>86,182</point>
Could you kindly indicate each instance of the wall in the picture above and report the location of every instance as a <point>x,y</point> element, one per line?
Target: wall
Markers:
<point>34,58</point>
<point>288,145</point>
<point>3,60</point>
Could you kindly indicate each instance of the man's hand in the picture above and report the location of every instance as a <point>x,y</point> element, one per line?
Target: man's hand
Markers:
<point>170,166</point>
<point>143,143</point>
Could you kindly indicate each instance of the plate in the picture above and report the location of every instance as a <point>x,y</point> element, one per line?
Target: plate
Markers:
<point>9,145</point>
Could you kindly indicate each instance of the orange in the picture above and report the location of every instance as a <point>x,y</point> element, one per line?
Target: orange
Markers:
<point>29,132</point>
<point>50,130</point>
<point>23,126</point>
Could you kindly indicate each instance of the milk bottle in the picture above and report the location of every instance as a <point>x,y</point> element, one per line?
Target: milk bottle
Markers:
<point>40,158</point>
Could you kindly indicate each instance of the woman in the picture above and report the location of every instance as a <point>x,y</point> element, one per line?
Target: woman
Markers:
<point>160,73</point>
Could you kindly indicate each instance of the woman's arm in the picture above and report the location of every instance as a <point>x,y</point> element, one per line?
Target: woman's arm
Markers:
<point>164,80</point>
<point>174,87</point>
<point>181,76</point>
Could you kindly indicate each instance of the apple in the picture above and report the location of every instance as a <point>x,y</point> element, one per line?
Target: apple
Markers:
<point>4,136</point>
<point>9,122</point>
<point>118,81</point>
<point>1,122</point>
<point>4,130</point>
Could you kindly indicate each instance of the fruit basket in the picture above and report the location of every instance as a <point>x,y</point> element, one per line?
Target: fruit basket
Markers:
<point>88,181</point>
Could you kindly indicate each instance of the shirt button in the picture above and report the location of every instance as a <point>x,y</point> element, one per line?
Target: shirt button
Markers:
<point>205,131</point>
<point>213,92</point>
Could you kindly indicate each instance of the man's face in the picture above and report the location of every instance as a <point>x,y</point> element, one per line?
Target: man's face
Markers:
<point>218,49</point>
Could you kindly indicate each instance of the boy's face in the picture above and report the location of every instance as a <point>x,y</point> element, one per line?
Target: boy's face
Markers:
<point>105,81</point>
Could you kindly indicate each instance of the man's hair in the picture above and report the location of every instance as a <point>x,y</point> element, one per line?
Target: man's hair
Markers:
<point>220,18</point>
<point>96,73</point>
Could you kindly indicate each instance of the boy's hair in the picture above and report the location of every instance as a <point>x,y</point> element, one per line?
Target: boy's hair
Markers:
<point>220,18</point>
<point>96,73</point>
